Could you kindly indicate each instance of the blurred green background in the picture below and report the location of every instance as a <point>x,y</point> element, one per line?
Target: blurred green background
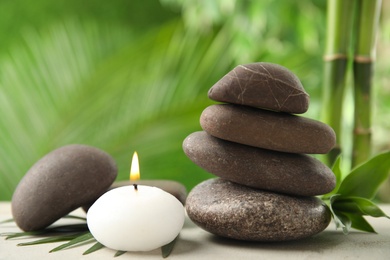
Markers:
<point>134,75</point>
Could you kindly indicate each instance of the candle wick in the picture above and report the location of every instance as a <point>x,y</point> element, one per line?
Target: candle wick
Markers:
<point>135,186</point>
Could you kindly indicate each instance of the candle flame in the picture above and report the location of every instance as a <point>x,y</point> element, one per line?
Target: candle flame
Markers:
<point>134,170</point>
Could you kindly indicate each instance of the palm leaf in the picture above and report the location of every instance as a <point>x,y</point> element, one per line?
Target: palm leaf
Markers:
<point>48,240</point>
<point>97,84</point>
<point>93,248</point>
<point>72,85</point>
<point>76,240</point>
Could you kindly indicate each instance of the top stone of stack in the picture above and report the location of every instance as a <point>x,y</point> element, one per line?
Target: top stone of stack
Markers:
<point>262,85</point>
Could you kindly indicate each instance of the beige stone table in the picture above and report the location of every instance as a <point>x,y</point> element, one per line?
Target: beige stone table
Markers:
<point>195,243</point>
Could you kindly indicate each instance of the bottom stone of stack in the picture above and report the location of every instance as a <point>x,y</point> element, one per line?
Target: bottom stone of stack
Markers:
<point>235,211</point>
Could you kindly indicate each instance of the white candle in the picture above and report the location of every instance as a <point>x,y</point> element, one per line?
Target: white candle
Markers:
<point>131,219</point>
<point>135,217</point>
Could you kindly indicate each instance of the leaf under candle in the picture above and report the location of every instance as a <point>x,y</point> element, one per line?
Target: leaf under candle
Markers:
<point>167,249</point>
<point>79,239</point>
<point>75,234</point>
<point>119,253</point>
<point>94,248</point>
<point>49,240</point>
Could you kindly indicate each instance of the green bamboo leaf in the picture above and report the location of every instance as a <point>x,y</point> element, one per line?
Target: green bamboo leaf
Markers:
<point>360,206</point>
<point>119,253</point>
<point>94,248</point>
<point>338,174</point>
<point>347,206</point>
<point>359,223</point>
<point>79,239</point>
<point>365,180</point>
<point>349,211</point>
<point>341,220</point>
<point>49,240</point>
<point>167,249</point>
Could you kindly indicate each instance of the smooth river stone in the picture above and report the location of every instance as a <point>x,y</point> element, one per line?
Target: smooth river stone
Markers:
<point>266,129</point>
<point>60,182</point>
<point>297,174</point>
<point>236,211</point>
<point>262,85</point>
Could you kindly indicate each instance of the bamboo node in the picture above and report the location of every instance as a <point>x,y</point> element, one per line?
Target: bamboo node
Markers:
<point>362,131</point>
<point>363,59</point>
<point>335,56</point>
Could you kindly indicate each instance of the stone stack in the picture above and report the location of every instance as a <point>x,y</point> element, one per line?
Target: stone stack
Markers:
<point>258,148</point>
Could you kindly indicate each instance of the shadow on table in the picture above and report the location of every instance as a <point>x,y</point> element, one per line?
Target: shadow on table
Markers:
<point>318,243</point>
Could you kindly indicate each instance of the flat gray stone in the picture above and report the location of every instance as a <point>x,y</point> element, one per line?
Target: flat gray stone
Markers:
<point>235,211</point>
<point>60,182</point>
<point>263,85</point>
<point>266,129</point>
<point>297,174</point>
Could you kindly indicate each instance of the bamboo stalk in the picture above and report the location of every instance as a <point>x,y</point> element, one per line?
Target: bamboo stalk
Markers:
<point>338,45</point>
<point>367,24</point>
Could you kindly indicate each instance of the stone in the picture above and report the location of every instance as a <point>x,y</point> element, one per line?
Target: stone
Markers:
<point>235,211</point>
<point>62,181</point>
<point>297,174</point>
<point>266,129</point>
<point>262,85</point>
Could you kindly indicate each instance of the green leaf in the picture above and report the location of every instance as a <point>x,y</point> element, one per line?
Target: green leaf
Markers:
<point>365,180</point>
<point>75,217</point>
<point>360,206</point>
<point>341,219</point>
<point>50,230</point>
<point>349,211</point>
<point>359,223</point>
<point>7,221</point>
<point>94,248</point>
<point>75,241</point>
<point>167,249</point>
<point>49,240</point>
<point>68,228</point>
<point>346,206</point>
<point>338,174</point>
<point>24,234</point>
<point>119,253</point>
<point>158,83</point>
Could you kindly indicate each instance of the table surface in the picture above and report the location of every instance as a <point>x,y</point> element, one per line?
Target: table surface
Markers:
<point>195,243</point>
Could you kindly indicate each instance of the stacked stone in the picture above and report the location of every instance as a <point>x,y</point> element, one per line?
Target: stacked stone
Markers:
<point>258,148</point>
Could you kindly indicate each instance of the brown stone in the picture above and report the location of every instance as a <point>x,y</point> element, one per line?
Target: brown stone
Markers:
<point>297,174</point>
<point>263,85</point>
<point>266,129</point>
<point>60,182</point>
<point>235,211</point>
